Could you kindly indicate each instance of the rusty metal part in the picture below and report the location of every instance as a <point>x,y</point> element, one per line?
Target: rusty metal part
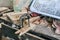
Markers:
<point>23,18</point>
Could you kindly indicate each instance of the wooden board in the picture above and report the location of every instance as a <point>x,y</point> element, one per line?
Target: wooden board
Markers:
<point>14,17</point>
<point>3,9</point>
<point>25,29</point>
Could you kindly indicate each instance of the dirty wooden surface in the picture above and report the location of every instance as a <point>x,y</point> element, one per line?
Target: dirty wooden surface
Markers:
<point>45,30</point>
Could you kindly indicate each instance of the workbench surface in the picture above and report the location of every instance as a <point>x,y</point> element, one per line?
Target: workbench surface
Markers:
<point>46,31</point>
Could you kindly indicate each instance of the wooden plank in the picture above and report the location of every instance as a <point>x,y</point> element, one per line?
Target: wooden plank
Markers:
<point>14,17</point>
<point>5,18</point>
<point>3,9</point>
<point>9,26</point>
<point>35,20</point>
<point>25,29</point>
<point>35,36</point>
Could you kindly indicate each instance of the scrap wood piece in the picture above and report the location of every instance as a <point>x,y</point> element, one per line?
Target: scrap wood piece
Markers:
<point>35,20</point>
<point>25,29</point>
<point>3,9</point>
<point>6,11</point>
<point>9,26</point>
<point>35,36</point>
<point>5,18</point>
<point>14,17</point>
